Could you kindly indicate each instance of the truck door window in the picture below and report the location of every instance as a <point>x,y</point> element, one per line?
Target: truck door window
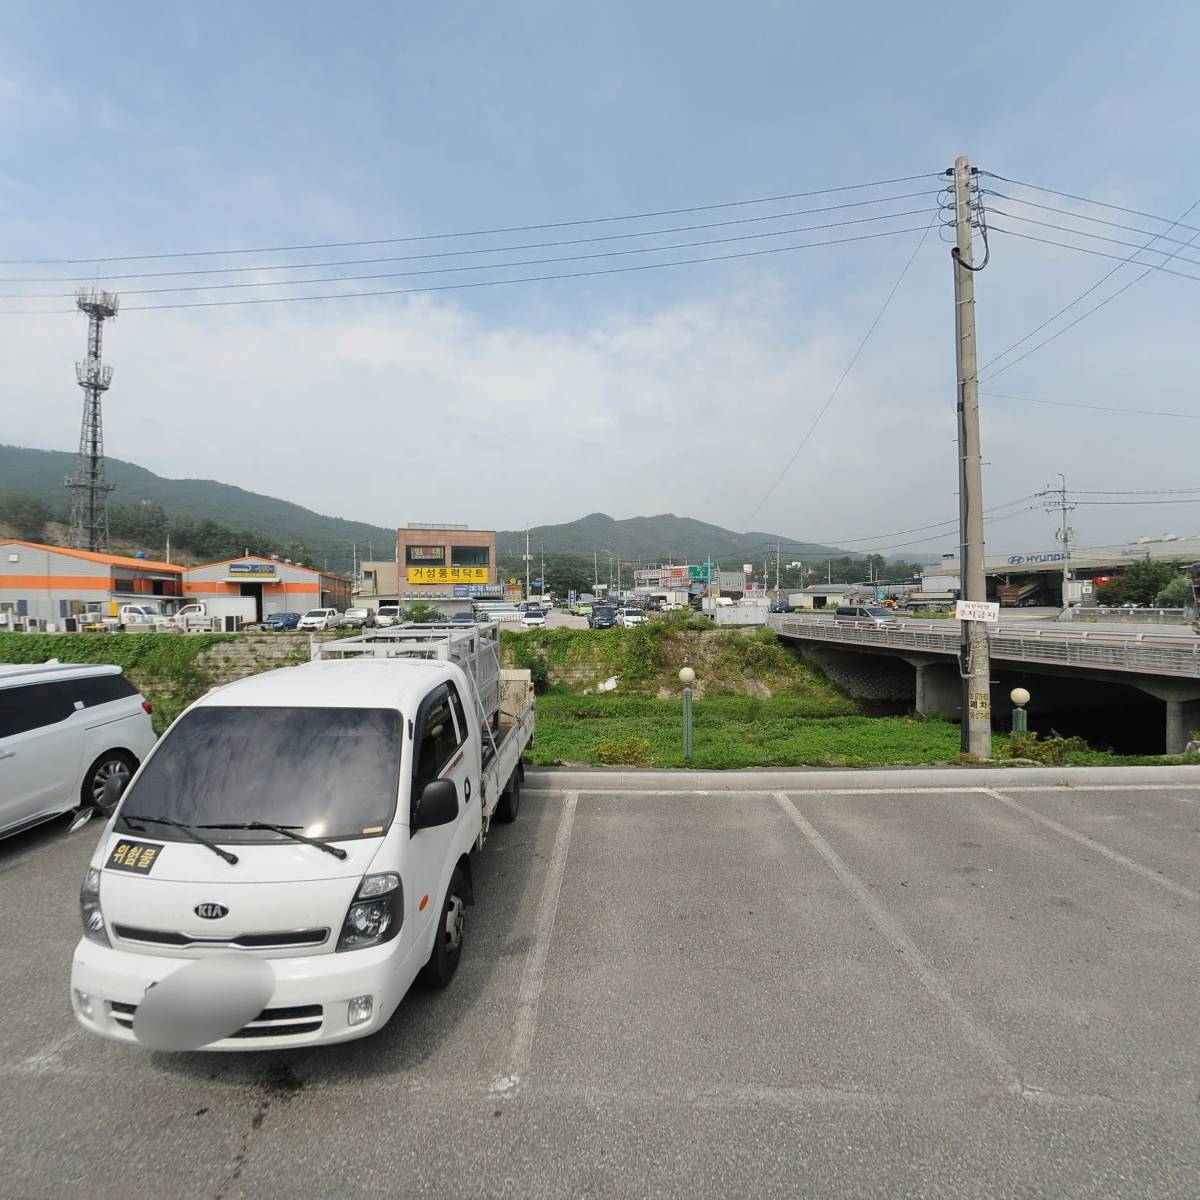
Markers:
<point>437,740</point>
<point>460,716</point>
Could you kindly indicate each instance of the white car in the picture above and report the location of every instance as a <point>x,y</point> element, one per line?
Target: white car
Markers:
<point>389,614</point>
<point>319,618</point>
<point>64,731</point>
<point>533,618</point>
<point>628,617</point>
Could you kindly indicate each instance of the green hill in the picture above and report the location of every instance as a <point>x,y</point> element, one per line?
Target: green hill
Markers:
<point>659,537</point>
<point>41,473</point>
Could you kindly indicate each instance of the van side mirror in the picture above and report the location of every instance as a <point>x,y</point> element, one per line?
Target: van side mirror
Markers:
<point>438,804</point>
<point>114,786</point>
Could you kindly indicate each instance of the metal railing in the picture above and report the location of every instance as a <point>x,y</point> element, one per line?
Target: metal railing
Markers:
<point>1140,653</point>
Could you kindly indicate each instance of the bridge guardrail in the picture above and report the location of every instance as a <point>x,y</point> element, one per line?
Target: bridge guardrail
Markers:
<point>1135,653</point>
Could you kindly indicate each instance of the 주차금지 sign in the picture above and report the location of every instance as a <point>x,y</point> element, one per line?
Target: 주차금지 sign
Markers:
<point>977,610</point>
<point>447,574</point>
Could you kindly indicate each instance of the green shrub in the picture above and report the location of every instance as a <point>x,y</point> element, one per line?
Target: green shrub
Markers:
<point>1053,751</point>
<point>632,752</point>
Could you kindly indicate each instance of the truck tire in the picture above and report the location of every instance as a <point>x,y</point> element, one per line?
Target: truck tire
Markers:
<point>509,803</point>
<point>448,938</point>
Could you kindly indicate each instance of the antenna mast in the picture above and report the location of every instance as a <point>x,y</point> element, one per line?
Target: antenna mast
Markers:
<point>88,487</point>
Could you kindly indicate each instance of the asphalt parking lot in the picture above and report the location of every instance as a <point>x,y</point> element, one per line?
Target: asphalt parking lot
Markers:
<point>959,993</point>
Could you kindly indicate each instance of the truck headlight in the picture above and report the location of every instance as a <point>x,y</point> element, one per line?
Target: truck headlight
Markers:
<point>89,908</point>
<point>375,914</point>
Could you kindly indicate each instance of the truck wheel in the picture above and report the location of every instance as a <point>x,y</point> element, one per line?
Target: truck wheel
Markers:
<point>113,763</point>
<point>509,803</point>
<point>448,940</point>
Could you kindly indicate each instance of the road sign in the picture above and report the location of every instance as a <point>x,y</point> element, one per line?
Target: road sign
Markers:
<point>977,610</point>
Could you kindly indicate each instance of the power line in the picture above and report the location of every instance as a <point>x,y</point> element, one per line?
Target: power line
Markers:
<point>1066,212</point>
<point>1139,492</point>
<point>428,237</point>
<point>1094,309</point>
<point>352,262</point>
<point>1196,500</point>
<point>1029,237</point>
<point>526,262</point>
<point>1098,237</point>
<point>1133,212</point>
<point>449,287</point>
<point>849,367</point>
<point>1140,412</point>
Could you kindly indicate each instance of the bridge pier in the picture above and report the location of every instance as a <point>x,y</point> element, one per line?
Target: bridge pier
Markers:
<point>938,687</point>
<point>1183,712</point>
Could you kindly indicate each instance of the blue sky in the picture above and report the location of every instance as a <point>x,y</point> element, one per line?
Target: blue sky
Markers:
<point>140,128</point>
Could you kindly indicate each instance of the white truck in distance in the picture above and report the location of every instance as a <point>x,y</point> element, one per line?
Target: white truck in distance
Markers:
<point>210,614</point>
<point>297,848</point>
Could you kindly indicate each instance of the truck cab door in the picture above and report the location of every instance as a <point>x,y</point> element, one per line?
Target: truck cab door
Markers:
<point>440,751</point>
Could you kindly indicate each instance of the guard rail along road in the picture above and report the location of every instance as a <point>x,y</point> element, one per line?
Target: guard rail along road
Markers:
<point>1140,653</point>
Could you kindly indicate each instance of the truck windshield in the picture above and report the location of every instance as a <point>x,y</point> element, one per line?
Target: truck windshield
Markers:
<point>328,773</point>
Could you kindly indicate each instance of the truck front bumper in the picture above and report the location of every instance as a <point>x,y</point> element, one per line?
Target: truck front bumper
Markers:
<point>309,1006</point>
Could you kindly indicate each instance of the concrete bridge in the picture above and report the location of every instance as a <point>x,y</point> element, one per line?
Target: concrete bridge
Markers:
<point>1081,669</point>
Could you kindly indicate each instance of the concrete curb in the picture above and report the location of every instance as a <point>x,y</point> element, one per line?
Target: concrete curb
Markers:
<point>815,779</point>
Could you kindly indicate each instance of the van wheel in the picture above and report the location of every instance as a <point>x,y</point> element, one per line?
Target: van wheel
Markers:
<point>98,774</point>
<point>448,939</point>
<point>509,803</point>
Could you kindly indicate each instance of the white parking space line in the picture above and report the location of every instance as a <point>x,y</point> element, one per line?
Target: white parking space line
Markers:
<point>1178,889</point>
<point>916,962</point>
<point>533,977</point>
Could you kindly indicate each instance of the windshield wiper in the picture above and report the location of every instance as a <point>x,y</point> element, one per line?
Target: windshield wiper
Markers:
<point>287,831</point>
<point>129,818</point>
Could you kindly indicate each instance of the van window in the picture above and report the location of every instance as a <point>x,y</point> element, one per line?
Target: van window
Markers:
<point>436,741</point>
<point>32,707</point>
<point>98,689</point>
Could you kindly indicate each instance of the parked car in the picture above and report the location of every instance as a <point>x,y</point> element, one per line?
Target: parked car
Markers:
<point>358,618</point>
<point>278,622</point>
<point>319,618</point>
<point>533,618</point>
<point>582,610</point>
<point>389,614</point>
<point>602,617</point>
<point>630,616</point>
<point>865,614</point>
<point>781,606</point>
<point>463,618</point>
<point>64,731</point>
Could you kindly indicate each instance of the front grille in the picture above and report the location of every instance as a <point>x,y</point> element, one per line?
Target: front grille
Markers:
<point>282,939</point>
<point>271,1022</point>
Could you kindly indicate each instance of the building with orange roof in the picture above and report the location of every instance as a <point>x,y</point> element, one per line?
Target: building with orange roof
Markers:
<point>52,585</point>
<point>277,586</point>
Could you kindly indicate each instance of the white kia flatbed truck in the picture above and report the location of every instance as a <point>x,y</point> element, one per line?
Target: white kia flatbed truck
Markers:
<point>297,849</point>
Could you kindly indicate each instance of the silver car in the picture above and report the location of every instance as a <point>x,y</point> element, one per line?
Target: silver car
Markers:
<point>358,618</point>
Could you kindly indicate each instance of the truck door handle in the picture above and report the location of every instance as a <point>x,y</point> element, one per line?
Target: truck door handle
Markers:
<point>466,788</point>
<point>8,754</point>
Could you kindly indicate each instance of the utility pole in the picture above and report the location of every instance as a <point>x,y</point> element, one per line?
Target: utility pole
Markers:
<point>975,664</point>
<point>778,565</point>
<point>596,570</point>
<point>527,557</point>
<point>1065,533</point>
<point>543,552</point>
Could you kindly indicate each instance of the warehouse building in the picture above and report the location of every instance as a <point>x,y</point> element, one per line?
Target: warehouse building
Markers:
<point>276,585</point>
<point>43,585</point>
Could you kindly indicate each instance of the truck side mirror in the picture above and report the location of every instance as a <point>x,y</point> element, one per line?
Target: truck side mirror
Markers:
<point>438,804</point>
<point>114,785</point>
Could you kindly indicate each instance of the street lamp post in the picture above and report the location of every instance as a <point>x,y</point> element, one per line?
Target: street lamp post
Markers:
<point>687,677</point>
<point>1020,718</point>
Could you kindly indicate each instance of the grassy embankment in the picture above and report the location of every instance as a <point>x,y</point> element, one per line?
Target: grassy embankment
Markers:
<point>757,705</point>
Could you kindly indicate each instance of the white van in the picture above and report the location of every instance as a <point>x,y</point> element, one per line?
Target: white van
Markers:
<point>295,852</point>
<point>64,730</point>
